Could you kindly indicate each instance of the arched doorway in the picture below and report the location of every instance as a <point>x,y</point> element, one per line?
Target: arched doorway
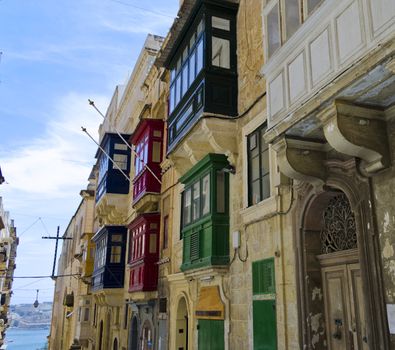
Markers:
<point>147,337</point>
<point>133,334</point>
<point>115,344</point>
<point>333,293</point>
<point>182,323</point>
<point>101,336</point>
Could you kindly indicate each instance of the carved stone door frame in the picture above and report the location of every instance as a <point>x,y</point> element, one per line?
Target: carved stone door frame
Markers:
<point>343,176</point>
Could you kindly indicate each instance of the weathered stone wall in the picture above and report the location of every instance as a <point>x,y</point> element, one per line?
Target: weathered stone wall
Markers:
<point>384,194</point>
<point>263,233</point>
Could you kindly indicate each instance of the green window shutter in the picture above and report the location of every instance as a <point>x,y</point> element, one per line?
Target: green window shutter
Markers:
<point>195,245</point>
<point>263,280</point>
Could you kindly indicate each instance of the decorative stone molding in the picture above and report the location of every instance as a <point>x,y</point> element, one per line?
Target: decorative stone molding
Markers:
<point>112,209</point>
<point>302,160</point>
<point>359,132</point>
<point>149,202</point>
<point>208,135</point>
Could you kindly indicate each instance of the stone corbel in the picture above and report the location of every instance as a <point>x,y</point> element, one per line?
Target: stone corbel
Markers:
<point>358,132</point>
<point>302,160</point>
<point>221,135</point>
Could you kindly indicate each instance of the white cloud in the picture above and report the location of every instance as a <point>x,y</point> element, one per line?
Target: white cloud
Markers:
<point>57,162</point>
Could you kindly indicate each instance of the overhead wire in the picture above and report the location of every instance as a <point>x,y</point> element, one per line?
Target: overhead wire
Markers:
<point>29,227</point>
<point>142,9</point>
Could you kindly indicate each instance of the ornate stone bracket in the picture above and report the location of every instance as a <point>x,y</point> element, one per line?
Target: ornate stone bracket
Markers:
<point>358,132</point>
<point>208,135</point>
<point>112,209</point>
<point>302,160</point>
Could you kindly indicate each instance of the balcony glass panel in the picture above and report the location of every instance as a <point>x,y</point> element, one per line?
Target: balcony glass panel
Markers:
<point>292,16</point>
<point>220,55</point>
<point>273,29</point>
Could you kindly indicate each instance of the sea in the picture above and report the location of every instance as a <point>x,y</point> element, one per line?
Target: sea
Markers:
<point>26,339</point>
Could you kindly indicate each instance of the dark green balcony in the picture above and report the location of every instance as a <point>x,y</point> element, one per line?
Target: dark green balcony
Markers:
<point>205,214</point>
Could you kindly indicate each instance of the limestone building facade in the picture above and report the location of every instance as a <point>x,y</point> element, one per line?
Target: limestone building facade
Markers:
<point>252,206</point>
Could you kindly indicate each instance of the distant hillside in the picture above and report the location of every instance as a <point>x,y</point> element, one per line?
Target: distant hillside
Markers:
<point>26,316</point>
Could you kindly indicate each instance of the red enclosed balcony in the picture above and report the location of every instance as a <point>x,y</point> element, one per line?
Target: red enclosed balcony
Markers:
<point>148,142</point>
<point>144,252</point>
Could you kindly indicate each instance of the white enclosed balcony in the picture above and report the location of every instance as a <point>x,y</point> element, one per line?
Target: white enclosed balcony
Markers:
<point>318,51</point>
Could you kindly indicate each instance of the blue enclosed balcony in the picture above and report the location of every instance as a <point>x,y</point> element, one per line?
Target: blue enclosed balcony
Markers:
<point>111,177</point>
<point>109,265</point>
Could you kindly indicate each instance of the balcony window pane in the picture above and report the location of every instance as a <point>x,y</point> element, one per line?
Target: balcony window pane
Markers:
<point>152,243</point>
<point>200,27</point>
<point>199,58</point>
<point>172,97</point>
<point>142,245</point>
<point>292,16</point>
<point>178,89</point>
<point>220,56</point>
<point>185,79</point>
<point>172,74</point>
<point>120,147</point>
<point>206,195</point>
<point>192,40</point>
<point>220,192</point>
<point>196,201</point>
<point>116,254</point>
<point>312,4</point>
<point>86,314</point>
<point>116,238</point>
<point>156,148</point>
<point>184,54</point>
<point>187,207</point>
<point>273,30</point>
<point>256,193</point>
<point>192,67</point>
<point>220,23</point>
<point>255,168</point>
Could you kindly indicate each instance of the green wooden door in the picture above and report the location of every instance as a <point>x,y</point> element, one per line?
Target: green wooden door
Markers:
<point>264,318</point>
<point>211,335</point>
<point>264,305</point>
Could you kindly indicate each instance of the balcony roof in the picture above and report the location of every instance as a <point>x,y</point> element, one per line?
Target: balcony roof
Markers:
<point>181,24</point>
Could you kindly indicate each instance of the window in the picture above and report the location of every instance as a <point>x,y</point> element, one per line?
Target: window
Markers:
<point>156,151</point>
<point>283,18</point>
<point>152,243</point>
<point>86,314</point>
<point>187,68</point>
<point>187,206</point>
<point>116,252</point>
<point>220,55</point>
<point>206,195</point>
<point>165,211</point>
<point>141,155</point>
<point>258,167</point>
<point>121,161</point>
<point>100,258</point>
<point>196,200</point>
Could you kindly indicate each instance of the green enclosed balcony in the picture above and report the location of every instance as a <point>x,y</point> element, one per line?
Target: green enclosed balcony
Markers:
<point>205,214</point>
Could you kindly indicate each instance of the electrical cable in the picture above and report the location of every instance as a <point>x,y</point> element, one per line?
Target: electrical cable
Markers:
<point>42,277</point>
<point>107,155</point>
<point>92,103</point>
<point>142,9</point>
<point>19,235</point>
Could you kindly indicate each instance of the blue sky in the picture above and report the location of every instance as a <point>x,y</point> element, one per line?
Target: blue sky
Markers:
<point>56,55</point>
